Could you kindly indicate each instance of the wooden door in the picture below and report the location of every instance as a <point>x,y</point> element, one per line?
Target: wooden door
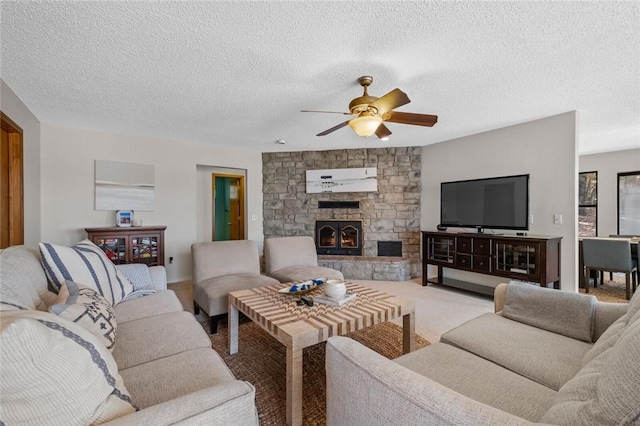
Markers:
<point>11,184</point>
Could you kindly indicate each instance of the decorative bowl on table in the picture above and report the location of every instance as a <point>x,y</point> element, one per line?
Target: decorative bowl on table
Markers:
<point>302,288</point>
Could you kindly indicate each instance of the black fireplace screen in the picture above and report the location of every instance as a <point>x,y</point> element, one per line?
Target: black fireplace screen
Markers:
<point>339,237</point>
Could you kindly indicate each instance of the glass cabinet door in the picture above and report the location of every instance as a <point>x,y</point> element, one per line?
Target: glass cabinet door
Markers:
<point>114,248</point>
<point>144,249</point>
<point>440,249</point>
<point>516,258</point>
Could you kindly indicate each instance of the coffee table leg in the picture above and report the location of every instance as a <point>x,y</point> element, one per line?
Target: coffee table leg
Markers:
<point>408,333</point>
<point>294,387</point>
<point>233,329</point>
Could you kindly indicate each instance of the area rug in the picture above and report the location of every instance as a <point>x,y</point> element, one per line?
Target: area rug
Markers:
<point>261,361</point>
<point>611,291</point>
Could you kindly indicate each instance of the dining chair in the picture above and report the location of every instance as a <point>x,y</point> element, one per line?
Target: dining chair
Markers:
<point>632,249</point>
<point>609,254</point>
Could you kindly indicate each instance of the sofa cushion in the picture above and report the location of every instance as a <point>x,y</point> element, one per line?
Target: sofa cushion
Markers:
<point>162,302</point>
<point>87,308</point>
<point>22,278</point>
<point>166,378</point>
<point>480,380</point>
<point>55,372</point>
<point>212,295</point>
<point>84,263</point>
<point>606,389</point>
<point>547,358</point>
<point>569,314</point>
<point>158,336</point>
<point>303,273</point>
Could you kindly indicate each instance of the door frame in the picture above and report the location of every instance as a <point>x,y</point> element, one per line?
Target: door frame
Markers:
<point>241,203</point>
<point>11,184</point>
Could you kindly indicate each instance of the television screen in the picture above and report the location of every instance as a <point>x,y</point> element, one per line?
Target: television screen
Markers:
<point>500,203</point>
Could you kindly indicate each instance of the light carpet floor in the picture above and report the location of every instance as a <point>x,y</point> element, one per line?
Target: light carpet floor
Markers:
<point>437,309</point>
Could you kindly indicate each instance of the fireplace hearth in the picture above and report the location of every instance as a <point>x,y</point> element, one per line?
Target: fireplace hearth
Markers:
<point>339,237</point>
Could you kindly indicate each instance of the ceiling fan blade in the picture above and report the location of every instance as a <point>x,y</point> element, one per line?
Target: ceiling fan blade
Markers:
<point>333,129</point>
<point>327,112</point>
<point>411,118</point>
<point>391,100</point>
<point>383,131</point>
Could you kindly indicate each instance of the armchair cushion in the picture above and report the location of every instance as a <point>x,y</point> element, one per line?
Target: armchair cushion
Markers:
<point>219,258</point>
<point>212,295</point>
<point>282,252</point>
<point>290,259</point>
<point>303,273</point>
<point>569,314</point>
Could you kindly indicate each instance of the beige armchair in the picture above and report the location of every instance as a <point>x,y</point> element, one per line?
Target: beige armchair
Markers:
<point>295,259</point>
<point>220,267</point>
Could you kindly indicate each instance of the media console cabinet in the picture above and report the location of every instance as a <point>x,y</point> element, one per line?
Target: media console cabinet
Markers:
<point>525,258</point>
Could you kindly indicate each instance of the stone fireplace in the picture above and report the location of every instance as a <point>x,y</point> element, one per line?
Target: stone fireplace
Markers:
<point>390,215</point>
<point>339,237</point>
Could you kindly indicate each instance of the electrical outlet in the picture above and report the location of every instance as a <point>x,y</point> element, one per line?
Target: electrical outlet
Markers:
<point>530,218</point>
<point>254,217</point>
<point>557,219</point>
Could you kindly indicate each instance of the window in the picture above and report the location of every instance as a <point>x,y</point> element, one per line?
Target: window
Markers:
<point>629,203</point>
<point>588,204</point>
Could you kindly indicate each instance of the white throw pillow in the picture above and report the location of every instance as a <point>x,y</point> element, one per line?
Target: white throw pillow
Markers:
<point>89,309</point>
<point>87,264</point>
<point>55,372</point>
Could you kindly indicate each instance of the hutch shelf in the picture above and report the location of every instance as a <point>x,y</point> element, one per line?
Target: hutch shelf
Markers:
<point>143,244</point>
<point>525,258</point>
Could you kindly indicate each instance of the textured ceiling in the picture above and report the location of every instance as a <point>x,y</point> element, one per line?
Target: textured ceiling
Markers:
<point>238,73</point>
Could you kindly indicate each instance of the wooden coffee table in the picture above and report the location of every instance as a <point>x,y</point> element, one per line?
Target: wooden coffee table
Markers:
<point>298,327</point>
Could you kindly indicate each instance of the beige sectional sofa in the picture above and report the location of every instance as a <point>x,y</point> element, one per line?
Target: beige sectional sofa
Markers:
<point>546,356</point>
<point>161,369</point>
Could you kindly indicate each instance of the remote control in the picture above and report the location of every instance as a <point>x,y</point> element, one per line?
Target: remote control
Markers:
<point>307,301</point>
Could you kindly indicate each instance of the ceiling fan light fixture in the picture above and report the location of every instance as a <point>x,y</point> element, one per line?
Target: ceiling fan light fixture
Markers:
<point>365,125</point>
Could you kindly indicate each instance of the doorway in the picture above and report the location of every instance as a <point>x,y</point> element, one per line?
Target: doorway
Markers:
<point>11,184</point>
<point>228,207</point>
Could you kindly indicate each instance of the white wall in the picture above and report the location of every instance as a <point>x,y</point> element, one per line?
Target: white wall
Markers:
<point>608,165</point>
<point>68,157</point>
<point>546,149</point>
<point>13,107</point>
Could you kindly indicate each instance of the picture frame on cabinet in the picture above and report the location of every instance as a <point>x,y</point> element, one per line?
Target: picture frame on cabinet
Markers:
<point>124,218</point>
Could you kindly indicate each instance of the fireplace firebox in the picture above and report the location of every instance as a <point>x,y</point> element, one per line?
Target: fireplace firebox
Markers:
<point>339,237</point>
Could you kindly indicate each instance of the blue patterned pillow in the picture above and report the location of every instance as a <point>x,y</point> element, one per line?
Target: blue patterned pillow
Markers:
<point>87,308</point>
<point>87,264</point>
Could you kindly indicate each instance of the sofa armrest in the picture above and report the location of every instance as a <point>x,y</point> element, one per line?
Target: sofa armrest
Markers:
<point>499,297</point>
<point>365,388</point>
<point>158,277</point>
<point>231,403</point>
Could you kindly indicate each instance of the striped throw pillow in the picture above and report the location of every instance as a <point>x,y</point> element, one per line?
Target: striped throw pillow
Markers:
<point>84,263</point>
<point>55,372</point>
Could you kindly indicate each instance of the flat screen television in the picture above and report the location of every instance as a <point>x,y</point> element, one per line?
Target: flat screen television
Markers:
<point>498,203</point>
